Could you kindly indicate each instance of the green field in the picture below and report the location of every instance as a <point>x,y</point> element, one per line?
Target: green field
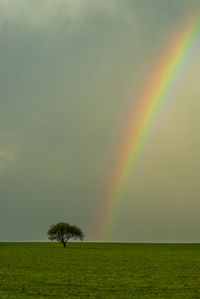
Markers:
<point>99,270</point>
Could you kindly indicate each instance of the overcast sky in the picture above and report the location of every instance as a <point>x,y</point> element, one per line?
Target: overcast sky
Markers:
<point>69,72</point>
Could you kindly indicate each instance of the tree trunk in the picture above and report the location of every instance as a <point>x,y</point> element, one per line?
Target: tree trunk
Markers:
<point>64,244</point>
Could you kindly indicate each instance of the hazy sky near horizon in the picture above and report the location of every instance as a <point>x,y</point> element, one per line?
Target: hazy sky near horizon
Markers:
<point>69,72</point>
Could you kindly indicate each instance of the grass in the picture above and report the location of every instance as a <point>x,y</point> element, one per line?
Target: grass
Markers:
<point>99,270</point>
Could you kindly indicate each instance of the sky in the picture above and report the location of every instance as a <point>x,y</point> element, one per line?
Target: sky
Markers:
<point>69,72</point>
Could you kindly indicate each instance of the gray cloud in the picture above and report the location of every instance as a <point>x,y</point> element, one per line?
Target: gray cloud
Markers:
<point>41,14</point>
<point>70,71</point>
<point>6,160</point>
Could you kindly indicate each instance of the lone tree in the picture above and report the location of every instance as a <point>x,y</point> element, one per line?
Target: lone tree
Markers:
<point>62,232</point>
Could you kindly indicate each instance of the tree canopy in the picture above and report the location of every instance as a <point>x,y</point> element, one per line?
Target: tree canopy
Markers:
<point>63,232</point>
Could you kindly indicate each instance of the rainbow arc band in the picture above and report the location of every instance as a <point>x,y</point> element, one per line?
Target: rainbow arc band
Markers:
<point>161,82</point>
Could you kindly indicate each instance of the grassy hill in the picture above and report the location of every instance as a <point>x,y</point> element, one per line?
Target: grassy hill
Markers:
<point>99,270</point>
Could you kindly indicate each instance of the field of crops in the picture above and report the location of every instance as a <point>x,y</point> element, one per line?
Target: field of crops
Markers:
<point>99,270</point>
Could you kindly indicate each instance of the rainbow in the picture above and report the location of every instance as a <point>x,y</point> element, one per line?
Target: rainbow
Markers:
<point>160,83</point>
